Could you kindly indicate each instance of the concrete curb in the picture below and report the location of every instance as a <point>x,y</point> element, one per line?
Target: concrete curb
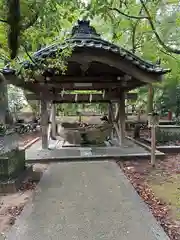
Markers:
<point>158,153</point>
<point>169,149</point>
<point>165,148</point>
<point>29,144</point>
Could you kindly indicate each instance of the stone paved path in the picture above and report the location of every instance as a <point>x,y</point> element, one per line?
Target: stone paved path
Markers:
<point>86,201</point>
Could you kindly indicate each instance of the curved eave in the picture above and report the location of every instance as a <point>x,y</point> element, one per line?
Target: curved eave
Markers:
<point>95,43</point>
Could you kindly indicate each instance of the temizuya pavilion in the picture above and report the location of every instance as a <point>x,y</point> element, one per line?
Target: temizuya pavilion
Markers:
<point>94,64</point>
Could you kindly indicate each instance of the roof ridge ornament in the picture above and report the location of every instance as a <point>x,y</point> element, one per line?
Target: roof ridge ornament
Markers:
<point>84,29</point>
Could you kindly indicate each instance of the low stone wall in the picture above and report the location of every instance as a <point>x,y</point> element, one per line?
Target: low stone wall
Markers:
<point>169,128</point>
<point>167,133</point>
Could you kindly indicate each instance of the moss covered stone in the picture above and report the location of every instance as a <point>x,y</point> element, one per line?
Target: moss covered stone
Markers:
<point>12,164</point>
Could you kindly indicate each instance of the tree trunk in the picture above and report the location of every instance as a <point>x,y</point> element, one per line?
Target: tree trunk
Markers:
<point>5,115</point>
<point>150,99</point>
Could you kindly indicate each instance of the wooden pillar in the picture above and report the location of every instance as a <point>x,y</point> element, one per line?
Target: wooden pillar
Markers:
<point>109,112</point>
<point>154,122</point>
<point>115,123</point>
<point>153,145</point>
<point>53,120</point>
<point>44,124</point>
<point>122,118</point>
<point>110,118</point>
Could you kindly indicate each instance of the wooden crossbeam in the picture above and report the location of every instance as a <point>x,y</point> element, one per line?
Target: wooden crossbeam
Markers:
<point>43,89</point>
<point>96,83</point>
<point>82,85</point>
<point>83,79</point>
<point>73,98</point>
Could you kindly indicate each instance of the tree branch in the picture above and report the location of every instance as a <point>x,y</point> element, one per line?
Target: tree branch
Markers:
<point>4,21</point>
<point>126,15</point>
<point>161,42</point>
<point>149,18</point>
<point>26,51</point>
<point>35,17</point>
<point>133,38</point>
<point>30,23</point>
<point>169,54</point>
<point>134,45</point>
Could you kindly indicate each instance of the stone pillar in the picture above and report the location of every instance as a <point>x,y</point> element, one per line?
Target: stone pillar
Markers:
<point>44,124</point>
<point>122,118</point>
<point>53,120</point>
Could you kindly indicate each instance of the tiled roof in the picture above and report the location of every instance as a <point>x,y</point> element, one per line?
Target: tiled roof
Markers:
<point>85,36</point>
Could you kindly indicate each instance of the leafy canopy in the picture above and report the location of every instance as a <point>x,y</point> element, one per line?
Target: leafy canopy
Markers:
<point>150,29</point>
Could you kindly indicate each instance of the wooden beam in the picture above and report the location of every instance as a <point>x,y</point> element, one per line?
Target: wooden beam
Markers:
<point>122,118</point>
<point>90,86</point>
<point>115,61</point>
<point>82,86</point>
<point>73,98</point>
<point>84,79</point>
<point>110,118</point>
<point>44,88</point>
<point>90,82</point>
<point>53,120</point>
<point>29,86</point>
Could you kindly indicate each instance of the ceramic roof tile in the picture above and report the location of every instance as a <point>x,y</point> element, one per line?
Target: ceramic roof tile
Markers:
<point>85,36</point>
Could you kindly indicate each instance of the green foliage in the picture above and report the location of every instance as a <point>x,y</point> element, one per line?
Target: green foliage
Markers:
<point>16,98</point>
<point>35,106</point>
<point>125,23</point>
<point>42,22</point>
<point>138,36</point>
